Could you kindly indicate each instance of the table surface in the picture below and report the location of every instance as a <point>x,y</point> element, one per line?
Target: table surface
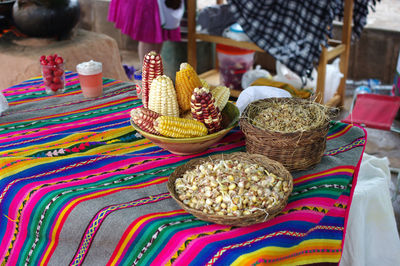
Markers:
<point>79,185</point>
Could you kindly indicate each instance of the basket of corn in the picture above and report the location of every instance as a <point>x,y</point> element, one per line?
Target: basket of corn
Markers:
<point>291,131</point>
<point>237,189</point>
<point>186,117</point>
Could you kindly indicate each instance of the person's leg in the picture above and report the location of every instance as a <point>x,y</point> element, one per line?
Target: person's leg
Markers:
<point>145,47</point>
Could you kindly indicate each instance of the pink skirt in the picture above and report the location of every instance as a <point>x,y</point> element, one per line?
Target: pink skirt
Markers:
<point>140,19</point>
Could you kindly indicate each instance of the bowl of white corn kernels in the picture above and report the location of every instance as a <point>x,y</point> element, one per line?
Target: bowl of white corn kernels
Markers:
<point>179,135</point>
<point>237,189</point>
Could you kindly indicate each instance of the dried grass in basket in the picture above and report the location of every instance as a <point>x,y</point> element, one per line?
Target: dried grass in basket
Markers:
<point>297,150</point>
<point>256,217</point>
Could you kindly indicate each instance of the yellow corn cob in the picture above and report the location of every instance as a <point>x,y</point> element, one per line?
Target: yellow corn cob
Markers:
<point>177,127</point>
<point>152,68</point>
<point>162,97</point>
<point>144,119</point>
<point>221,95</point>
<point>185,82</point>
<point>204,83</point>
<point>203,109</point>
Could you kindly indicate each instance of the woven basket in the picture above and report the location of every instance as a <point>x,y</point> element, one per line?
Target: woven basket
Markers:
<point>298,150</point>
<point>253,218</point>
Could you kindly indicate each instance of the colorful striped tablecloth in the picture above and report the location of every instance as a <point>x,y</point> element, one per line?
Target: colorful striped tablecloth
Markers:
<point>79,186</point>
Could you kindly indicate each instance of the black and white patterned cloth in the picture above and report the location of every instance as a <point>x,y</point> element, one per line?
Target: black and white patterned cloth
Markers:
<point>292,31</point>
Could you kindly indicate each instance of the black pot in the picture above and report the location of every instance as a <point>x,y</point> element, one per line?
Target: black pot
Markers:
<point>37,20</point>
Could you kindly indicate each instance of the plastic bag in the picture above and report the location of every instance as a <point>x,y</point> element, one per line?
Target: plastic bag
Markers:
<point>372,237</point>
<point>3,103</point>
<point>284,74</point>
<point>254,93</point>
<point>254,74</point>
<point>332,79</point>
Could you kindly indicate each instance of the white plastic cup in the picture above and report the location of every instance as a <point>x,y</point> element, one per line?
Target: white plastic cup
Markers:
<point>91,78</point>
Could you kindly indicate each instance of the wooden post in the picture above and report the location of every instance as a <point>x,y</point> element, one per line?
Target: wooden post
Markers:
<point>342,49</point>
<point>321,76</point>
<point>191,48</point>
<point>346,40</point>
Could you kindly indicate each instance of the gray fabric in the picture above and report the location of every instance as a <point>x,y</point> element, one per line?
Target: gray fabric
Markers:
<point>215,19</point>
<point>116,223</point>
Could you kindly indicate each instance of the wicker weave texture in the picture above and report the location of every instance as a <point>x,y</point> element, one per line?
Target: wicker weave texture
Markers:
<point>256,217</point>
<point>295,150</point>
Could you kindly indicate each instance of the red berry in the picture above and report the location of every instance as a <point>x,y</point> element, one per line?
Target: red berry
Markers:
<point>43,57</point>
<point>58,72</point>
<point>48,78</point>
<point>47,71</point>
<point>55,56</point>
<point>43,62</point>
<point>49,58</point>
<point>52,63</point>
<point>59,60</point>
<point>56,80</point>
<point>54,87</point>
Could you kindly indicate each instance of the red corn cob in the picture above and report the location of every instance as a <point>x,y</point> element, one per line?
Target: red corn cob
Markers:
<point>144,119</point>
<point>204,109</point>
<point>152,68</point>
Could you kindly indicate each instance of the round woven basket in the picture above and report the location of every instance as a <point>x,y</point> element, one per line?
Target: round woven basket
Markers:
<point>298,150</point>
<point>256,217</point>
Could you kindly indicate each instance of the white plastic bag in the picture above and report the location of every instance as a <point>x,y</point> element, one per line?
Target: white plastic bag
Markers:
<point>252,75</point>
<point>3,103</point>
<point>284,74</point>
<point>254,93</point>
<point>332,79</point>
<point>372,237</point>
